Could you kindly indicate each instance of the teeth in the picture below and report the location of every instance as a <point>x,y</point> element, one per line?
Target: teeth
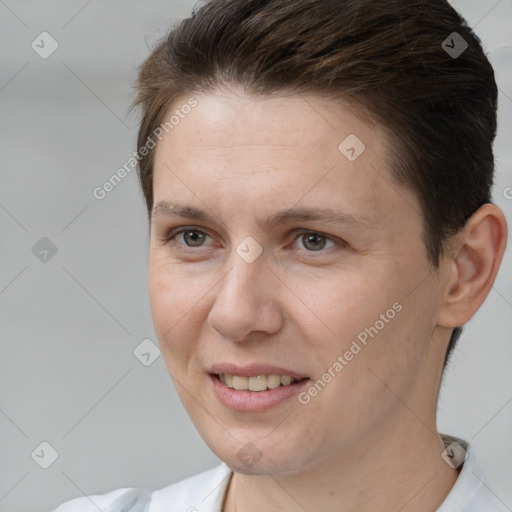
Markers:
<point>256,383</point>
<point>273,381</point>
<point>240,383</point>
<point>286,380</point>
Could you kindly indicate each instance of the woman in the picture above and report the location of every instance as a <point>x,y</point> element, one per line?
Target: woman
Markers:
<point>319,235</point>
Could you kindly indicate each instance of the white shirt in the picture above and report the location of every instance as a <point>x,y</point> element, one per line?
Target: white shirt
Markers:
<point>205,491</point>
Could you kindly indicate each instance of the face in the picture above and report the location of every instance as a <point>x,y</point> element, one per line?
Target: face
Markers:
<point>282,246</point>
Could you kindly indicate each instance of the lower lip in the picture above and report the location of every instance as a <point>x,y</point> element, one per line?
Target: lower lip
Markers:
<point>254,400</point>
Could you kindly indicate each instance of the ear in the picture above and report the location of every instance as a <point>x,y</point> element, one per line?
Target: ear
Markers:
<point>472,265</point>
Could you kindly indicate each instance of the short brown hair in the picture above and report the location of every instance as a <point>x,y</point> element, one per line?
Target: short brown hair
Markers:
<point>386,56</point>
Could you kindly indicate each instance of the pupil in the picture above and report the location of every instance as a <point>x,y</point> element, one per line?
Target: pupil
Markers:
<point>311,239</point>
<point>195,237</point>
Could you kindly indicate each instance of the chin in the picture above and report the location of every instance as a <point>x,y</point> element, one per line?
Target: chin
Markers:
<point>256,458</point>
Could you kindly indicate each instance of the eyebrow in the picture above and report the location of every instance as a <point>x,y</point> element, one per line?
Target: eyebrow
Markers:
<point>328,215</point>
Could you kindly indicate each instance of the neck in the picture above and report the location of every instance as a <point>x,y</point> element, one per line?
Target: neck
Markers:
<point>397,469</point>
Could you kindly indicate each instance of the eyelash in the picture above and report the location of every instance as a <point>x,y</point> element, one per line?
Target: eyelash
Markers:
<point>171,235</point>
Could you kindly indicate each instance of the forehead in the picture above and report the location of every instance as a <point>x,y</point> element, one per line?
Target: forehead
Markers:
<point>229,122</point>
<point>239,150</point>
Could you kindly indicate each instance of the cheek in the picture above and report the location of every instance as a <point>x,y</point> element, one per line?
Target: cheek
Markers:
<point>370,319</point>
<point>162,299</point>
<point>336,308</point>
<point>174,303</point>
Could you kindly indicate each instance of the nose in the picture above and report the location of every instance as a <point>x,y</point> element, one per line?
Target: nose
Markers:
<point>247,301</point>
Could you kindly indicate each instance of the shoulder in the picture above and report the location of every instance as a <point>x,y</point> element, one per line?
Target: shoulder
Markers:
<point>198,493</point>
<point>127,499</point>
<point>485,501</point>
<point>470,493</point>
<point>203,492</point>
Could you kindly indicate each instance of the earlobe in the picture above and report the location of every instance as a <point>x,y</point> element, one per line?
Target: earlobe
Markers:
<point>474,266</point>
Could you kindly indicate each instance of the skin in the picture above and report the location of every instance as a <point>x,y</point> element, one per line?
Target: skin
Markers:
<point>369,439</point>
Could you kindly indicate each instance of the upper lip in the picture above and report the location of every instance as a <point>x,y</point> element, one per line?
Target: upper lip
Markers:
<point>254,369</point>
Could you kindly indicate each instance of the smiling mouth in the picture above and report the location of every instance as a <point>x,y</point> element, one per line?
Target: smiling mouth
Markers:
<point>256,383</point>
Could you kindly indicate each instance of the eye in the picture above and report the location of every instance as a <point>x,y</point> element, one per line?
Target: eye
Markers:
<point>191,237</point>
<point>315,242</point>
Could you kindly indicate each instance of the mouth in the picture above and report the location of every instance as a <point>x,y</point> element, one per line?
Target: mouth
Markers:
<point>256,383</point>
<point>255,388</point>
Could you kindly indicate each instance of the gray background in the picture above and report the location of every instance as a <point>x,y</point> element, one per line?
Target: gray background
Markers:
<point>68,374</point>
